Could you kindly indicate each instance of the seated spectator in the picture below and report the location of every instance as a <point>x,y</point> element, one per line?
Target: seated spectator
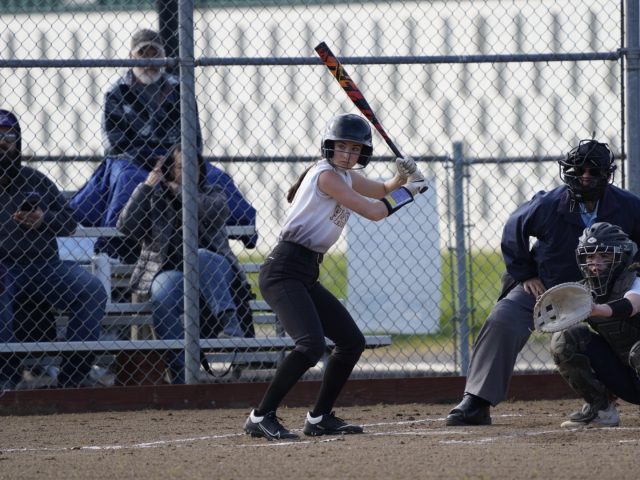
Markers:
<point>153,216</point>
<point>99,202</point>
<point>32,213</point>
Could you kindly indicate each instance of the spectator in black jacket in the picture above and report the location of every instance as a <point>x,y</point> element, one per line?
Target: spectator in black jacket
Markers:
<point>142,109</point>
<point>32,214</point>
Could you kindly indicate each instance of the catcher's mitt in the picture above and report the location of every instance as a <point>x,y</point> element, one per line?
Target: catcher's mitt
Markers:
<point>562,306</point>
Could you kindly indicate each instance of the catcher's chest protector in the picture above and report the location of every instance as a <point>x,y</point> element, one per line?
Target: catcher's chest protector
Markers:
<point>620,334</point>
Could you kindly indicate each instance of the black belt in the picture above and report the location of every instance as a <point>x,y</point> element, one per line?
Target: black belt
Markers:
<point>301,251</point>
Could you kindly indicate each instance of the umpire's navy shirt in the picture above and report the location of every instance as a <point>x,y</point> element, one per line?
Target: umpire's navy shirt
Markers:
<point>548,218</point>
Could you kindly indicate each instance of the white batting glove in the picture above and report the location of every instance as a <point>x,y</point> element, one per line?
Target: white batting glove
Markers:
<point>416,176</point>
<point>406,166</point>
<point>416,185</point>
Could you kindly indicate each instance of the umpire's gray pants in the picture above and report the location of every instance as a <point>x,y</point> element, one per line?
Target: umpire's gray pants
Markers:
<point>501,338</point>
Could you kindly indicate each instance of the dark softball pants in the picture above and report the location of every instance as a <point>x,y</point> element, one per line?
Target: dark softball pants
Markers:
<point>308,312</point>
<point>619,378</point>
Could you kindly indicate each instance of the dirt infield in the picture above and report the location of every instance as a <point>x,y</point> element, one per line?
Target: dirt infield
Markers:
<point>401,441</point>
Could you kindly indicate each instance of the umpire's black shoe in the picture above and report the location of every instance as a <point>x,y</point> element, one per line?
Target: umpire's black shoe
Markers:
<point>471,410</point>
<point>267,426</point>
<point>328,424</point>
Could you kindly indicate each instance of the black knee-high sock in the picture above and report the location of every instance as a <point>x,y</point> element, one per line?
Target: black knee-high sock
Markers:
<point>288,373</point>
<point>335,376</point>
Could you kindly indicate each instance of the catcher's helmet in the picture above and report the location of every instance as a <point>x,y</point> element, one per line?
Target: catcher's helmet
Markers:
<point>603,237</point>
<point>588,155</point>
<point>351,128</point>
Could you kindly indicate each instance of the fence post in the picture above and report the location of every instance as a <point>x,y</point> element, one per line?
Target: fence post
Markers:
<point>632,72</point>
<point>461,267</point>
<point>188,118</point>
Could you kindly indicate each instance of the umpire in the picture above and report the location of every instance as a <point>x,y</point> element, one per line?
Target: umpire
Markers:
<point>556,219</point>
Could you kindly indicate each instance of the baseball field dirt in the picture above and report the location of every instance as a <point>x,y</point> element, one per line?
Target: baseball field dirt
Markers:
<point>407,441</point>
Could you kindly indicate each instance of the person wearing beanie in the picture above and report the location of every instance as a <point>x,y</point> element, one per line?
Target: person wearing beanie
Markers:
<point>33,213</point>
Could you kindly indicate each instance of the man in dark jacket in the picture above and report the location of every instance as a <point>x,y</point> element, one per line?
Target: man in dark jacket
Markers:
<point>556,219</point>
<point>32,214</point>
<point>142,109</point>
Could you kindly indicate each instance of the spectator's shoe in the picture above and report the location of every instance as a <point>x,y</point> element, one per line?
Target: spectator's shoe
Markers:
<point>591,416</point>
<point>328,424</point>
<point>267,426</point>
<point>471,410</point>
<point>102,376</point>
<point>10,373</point>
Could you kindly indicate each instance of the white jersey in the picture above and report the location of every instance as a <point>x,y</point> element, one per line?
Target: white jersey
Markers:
<point>315,220</point>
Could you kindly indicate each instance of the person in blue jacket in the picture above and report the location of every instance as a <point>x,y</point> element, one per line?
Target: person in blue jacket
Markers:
<point>556,219</point>
<point>99,202</point>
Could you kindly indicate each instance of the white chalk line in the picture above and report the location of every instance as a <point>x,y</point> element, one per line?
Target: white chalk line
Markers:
<point>264,443</point>
<point>157,443</point>
<point>485,440</point>
<point>160,443</point>
<point>289,443</point>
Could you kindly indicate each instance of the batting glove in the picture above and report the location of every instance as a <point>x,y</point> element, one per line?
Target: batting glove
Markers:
<point>416,185</point>
<point>406,166</point>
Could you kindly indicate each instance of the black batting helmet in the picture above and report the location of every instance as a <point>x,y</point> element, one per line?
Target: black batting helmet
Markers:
<point>603,237</point>
<point>595,157</point>
<point>351,128</point>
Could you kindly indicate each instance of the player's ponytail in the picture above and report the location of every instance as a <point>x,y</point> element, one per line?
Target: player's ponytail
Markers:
<point>294,188</point>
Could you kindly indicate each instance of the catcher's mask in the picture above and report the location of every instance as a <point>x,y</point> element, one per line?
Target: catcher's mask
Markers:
<point>592,156</point>
<point>351,128</point>
<point>604,238</point>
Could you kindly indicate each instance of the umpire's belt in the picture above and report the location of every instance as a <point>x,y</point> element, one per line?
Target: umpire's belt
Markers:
<point>296,249</point>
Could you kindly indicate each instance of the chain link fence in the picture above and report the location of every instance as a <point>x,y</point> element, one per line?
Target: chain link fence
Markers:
<point>486,95</point>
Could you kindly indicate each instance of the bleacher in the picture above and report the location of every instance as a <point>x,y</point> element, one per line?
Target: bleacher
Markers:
<point>133,322</point>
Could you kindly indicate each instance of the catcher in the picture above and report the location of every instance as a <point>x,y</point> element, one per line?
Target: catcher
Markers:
<point>601,359</point>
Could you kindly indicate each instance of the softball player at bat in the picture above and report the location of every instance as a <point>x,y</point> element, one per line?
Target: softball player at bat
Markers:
<point>322,200</point>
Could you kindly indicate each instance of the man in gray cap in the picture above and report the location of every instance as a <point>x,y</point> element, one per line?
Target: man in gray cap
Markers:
<point>147,44</point>
<point>142,109</point>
